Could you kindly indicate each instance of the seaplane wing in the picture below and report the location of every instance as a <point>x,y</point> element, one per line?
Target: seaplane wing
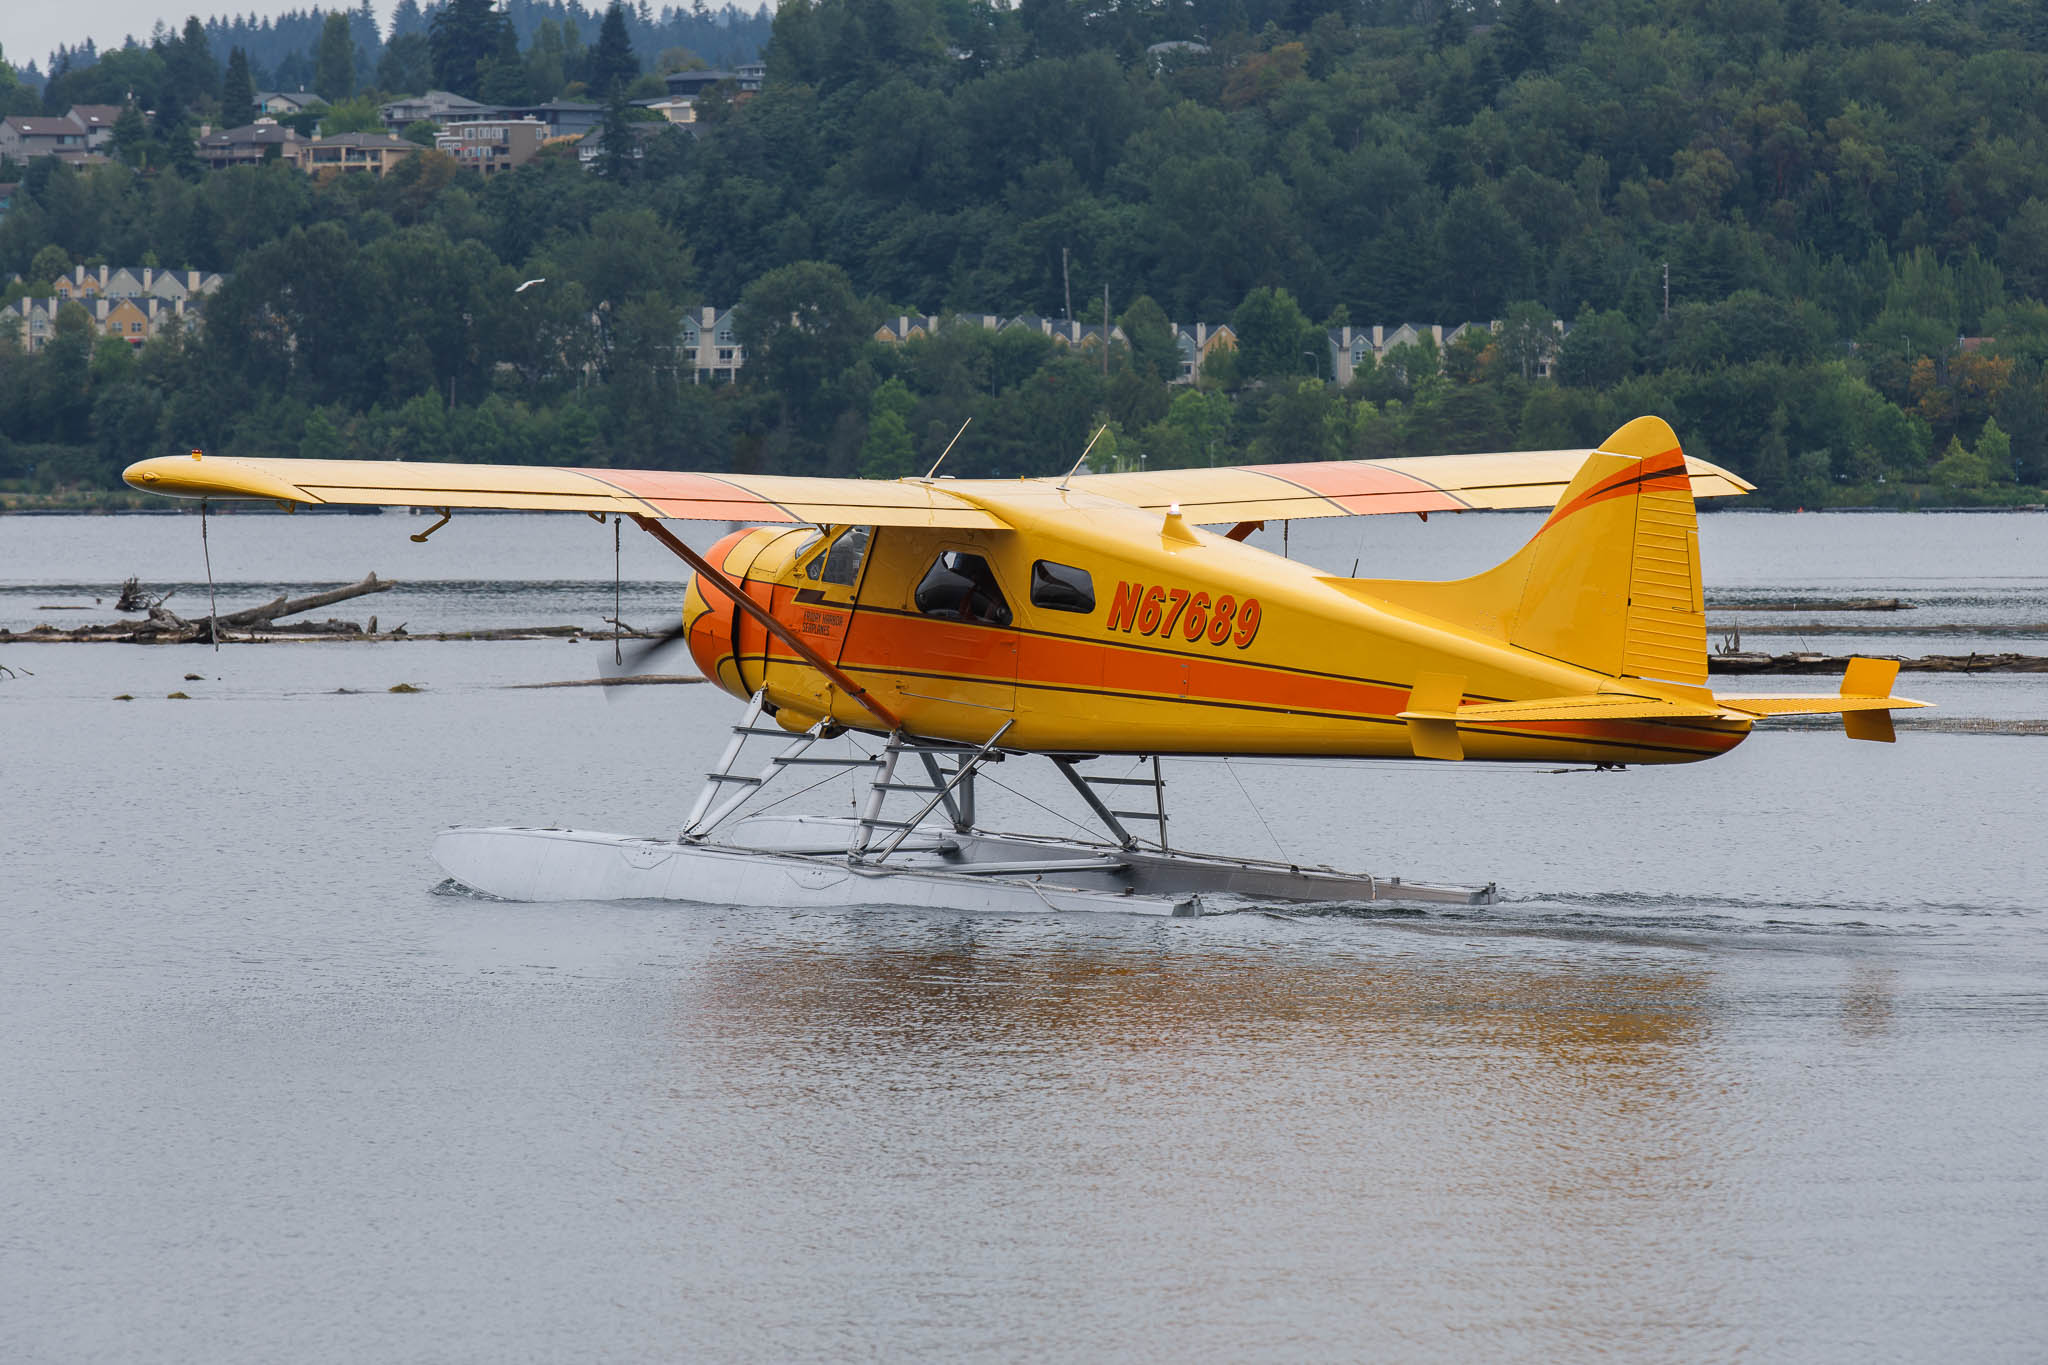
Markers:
<point>752,498</point>
<point>1341,488</point>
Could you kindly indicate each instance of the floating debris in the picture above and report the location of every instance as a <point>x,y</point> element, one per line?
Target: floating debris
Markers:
<point>404,687</point>
<point>177,696</point>
<point>632,680</point>
<point>1817,604</point>
<point>1836,663</point>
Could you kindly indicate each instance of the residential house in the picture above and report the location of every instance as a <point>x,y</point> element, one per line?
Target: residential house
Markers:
<point>907,327</point>
<point>680,110</point>
<point>564,118</point>
<point>134,319</point>
<point>590,147</point>
<point>23,138</point>
<point>134,281</point>
<point>710,346</point>
<point>179,285</point>
<point>1351,348</point>
<point>752,76</point>
<point>375,153</point>
<point>436,106</point>
<point>264,140</point>
<point>1198,341</point>
<point>33,321</point>
<point>691,84</point>
<point>488,146</point>
<point>280,103</point>
<point>98,121</point>
<point>1083,336</point>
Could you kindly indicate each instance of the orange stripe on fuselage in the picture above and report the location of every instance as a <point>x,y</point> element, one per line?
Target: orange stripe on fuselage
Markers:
<point>884,643</point>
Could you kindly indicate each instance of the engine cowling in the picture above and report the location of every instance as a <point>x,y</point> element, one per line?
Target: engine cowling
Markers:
<point>720,636</point>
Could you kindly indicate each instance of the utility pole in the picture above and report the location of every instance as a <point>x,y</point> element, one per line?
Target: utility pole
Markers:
<point>1105,329</point>
<point>1667,289</point>
<point>1066,284</point>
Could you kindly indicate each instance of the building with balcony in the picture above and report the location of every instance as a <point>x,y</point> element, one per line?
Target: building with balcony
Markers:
<point>489,146</point>
<point>375,153</point>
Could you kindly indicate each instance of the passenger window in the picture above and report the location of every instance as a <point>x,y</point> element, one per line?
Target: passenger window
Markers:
<point>961,587</point>
<point>841,563</point>
<point>1061,587</point>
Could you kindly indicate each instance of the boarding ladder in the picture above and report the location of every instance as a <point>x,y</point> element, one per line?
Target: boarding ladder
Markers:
<point>725,791</point>
<point>1086,783</point>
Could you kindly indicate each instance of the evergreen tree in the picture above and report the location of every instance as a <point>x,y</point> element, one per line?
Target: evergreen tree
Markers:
<point>1802,25</point>
<point>407,66</point>
<point>504,78</point>
<point>1994,450</point>
<point>407,20</point>
<point>189,63</point>
<point>1451,29</point>
<point>1525,37</point>
<point>334,76</point>
<point>131,136</point>
<point>463,36</point>
<point>616,139</point>
<point>237,92</point>
<point>613,64</point>
<point>16,96</point>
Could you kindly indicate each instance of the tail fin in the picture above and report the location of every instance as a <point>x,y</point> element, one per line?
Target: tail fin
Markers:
<point>1611,582</point>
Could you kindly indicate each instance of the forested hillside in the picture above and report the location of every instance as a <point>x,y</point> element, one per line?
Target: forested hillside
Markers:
<point>1851,202</point>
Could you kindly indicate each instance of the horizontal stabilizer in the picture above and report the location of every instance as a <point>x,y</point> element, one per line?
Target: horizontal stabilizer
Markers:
<point>1865,702</point>
<point>1816,706</point>
<point>1592,706</point>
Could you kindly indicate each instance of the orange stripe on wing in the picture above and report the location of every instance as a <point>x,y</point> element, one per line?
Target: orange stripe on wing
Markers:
<point>1362,488</point>
<point>694,497</point>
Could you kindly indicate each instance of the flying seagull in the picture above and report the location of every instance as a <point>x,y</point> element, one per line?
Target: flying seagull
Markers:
<point>530,284</point>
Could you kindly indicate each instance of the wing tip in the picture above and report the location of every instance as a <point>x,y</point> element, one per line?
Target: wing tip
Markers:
<point>210,476</point>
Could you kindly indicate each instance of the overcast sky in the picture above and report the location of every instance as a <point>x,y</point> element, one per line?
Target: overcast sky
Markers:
<point>34,28</point>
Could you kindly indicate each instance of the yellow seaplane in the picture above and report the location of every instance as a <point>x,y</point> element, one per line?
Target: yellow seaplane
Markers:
<point>957,622</point>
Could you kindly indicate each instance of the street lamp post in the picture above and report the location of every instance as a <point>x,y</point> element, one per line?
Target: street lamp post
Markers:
<point>459,358</point>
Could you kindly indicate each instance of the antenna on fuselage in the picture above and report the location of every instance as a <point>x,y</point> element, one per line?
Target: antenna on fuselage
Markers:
<point>1084,455</point>
<point>948,450</point>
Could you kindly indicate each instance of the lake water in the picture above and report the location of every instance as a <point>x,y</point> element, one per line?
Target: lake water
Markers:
<point>1751,1060</point>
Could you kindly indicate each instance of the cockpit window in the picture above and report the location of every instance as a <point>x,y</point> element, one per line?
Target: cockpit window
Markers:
<point>1061,587</point>
<point>961,587</point>
<point>841,563</point>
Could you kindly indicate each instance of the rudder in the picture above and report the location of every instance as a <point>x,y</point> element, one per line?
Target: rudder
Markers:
<point>1610,582</point>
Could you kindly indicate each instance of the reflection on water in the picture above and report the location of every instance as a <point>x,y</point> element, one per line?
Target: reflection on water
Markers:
<point>1365,1146</point>
<point>962,994</point>
<point>1867,1001</point>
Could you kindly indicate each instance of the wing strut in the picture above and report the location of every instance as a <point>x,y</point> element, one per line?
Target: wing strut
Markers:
<point>768,623</point>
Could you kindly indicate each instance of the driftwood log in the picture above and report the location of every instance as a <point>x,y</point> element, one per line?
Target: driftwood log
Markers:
<point>283,606</point>
<point>164,626</point>
<point>1835,663</point>
<point>1813,604</point>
